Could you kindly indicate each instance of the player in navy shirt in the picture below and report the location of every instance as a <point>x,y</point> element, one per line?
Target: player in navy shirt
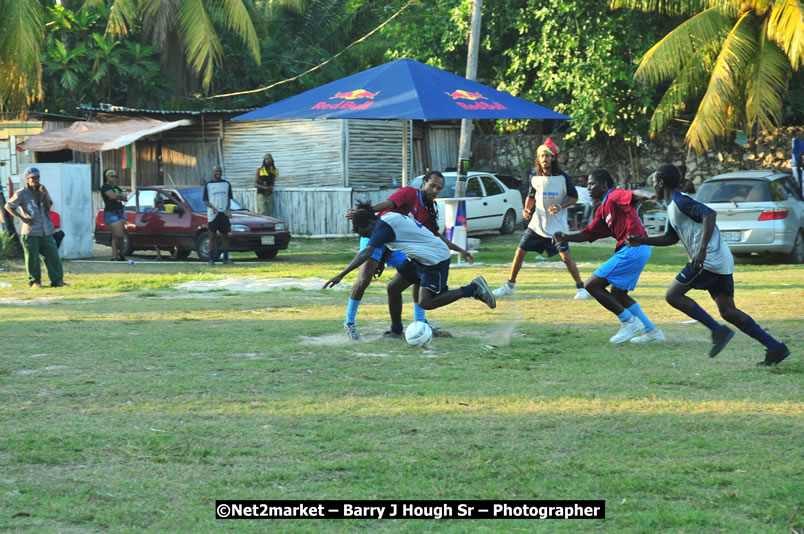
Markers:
<point>711,266</point>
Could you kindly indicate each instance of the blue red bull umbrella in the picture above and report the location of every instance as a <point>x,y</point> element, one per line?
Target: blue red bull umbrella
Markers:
<point>403,89</point>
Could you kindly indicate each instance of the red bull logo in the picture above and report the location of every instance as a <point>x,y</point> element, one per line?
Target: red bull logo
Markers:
<point>346,100</point>
<point>460,94</point>
<point>354,95</point>
<point>465,95</point>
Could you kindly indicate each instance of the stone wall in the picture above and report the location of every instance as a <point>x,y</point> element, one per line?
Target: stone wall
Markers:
<point>631,166</point>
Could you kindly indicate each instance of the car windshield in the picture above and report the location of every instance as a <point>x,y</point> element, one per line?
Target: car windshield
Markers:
<point>447,192</point>
<point>733,191</point>
<point>195,198</point>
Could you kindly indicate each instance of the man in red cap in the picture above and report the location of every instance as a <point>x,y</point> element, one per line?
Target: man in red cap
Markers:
<point>550,193</point>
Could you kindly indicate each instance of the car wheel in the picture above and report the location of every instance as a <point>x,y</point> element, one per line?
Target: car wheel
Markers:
<point>509,223</point>
<point>267,254</point>
<point>202,245</point>
<point>797,253</point>
<point>128,250</point>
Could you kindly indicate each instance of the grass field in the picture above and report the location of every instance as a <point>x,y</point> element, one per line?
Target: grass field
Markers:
<point>129,404</point>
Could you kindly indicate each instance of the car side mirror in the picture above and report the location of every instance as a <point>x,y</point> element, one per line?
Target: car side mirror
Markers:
<point>179,210</point>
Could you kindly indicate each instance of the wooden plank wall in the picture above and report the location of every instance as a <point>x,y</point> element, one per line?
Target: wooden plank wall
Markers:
<point>375,152</point>
<point>187,161</point>
<point>443,142</point>
<point>308,153</point>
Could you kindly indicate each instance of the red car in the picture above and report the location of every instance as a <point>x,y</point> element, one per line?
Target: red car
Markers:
<point>183,224</point>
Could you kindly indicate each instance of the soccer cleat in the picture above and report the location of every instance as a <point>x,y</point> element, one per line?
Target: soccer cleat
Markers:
<point>390,334</point>
<point>35,285</point>
<point>439,332</point>
<point>628,329</point>
<point>211,262</point>
<point>60,283</point>
<point>483,292</point>
<point>503,291</point>
<point>654,336</point>
<point>774,356</point>
<point>351,332</point>
<point>720,338</point>
<point>228,261</point>
<point>581,294</point>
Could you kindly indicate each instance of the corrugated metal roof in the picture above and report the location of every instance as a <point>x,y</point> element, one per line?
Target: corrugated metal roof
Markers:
<point>123,110</point>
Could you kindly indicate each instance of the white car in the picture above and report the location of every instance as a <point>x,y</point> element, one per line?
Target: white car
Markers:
<point>490,205</point>
<point>757,211</point>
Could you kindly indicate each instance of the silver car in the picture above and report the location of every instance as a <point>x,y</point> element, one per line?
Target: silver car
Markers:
<point>757,212</point>
<point>490,204</point>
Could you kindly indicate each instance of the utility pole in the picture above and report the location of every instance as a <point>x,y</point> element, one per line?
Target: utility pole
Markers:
<point>466,124</point>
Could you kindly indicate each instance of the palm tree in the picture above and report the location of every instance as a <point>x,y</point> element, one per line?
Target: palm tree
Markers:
<point>183,31</point>
<point>737,56</point>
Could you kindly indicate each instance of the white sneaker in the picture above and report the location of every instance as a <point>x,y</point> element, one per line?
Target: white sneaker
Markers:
<point>581,294</point>
<point>351,331</point>
<point>629,329</point>
<point>503,290</point>
<point>654,336</point>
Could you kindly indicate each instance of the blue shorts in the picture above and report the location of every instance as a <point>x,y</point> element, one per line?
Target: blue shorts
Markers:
<point>430,277</point>
<point>110,217</point>
<point>396,258</point>
<point>702,279</point>
<point>623,269</point>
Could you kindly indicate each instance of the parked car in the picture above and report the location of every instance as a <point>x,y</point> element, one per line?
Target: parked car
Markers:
<point>757,211</point>
<point>490,204</point>
<point>184,225</point>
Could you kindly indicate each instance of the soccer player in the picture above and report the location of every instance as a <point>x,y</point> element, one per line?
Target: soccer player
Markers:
<point>420,205</point>
<point>711,266</point>
<point>551,191</point>
<point>616,217</point>
<point>427,264</point>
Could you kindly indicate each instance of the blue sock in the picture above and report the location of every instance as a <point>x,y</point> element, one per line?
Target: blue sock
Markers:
<point>396,328</point>
<point>624,316</point>
<point>351,311</point>
<point>418,313</point>
<point>751,328</point>
<point>636,310</point>
<point>705,319</point>
<point>468,291</point>
<point>225,255</point>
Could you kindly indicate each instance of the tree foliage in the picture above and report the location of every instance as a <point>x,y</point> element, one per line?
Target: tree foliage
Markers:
<point>574,56</point>
<point>732,59</point>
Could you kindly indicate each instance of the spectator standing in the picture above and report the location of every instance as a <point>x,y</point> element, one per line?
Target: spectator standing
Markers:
<point>264,182</point>
<point>37,230</point>
<point>218,198</point>
<point>114,214</point>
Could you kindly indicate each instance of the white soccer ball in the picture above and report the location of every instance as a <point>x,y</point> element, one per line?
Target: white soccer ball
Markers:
<point>419,334</point>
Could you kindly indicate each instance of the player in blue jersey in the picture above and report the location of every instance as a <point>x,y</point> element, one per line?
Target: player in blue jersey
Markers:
<point>711,266</point>
<point>427,264</point>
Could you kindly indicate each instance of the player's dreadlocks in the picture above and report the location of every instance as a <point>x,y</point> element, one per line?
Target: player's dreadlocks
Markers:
<point>362,217</point>
<point>430,205</point>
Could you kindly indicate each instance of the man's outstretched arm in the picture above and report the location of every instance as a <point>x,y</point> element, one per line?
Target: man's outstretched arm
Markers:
<point>359,260</point>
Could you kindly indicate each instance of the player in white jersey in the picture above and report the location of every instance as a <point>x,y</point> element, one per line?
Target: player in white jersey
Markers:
<point>711,266</point>
<point>427,264</point>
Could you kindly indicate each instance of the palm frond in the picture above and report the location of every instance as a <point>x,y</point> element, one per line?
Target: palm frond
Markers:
<point>123,15</point>
<point>21,42</point>
<point>201,44</point>
<point>766,84</point>
<point>158,18</point>
<point>786,28</point>
<point>237,18</point>
<point>689,83</point>
<point>722,94</point>
<point>666,58</point>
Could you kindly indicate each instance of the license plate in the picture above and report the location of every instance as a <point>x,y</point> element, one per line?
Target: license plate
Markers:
<point>267,240</point>
<point>730,237</point>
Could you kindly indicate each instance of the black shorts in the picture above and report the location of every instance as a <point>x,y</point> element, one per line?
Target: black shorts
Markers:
<point>702,279</point>
<point>430,277</point>
<point>220,224</point>
<point>533,242</point>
